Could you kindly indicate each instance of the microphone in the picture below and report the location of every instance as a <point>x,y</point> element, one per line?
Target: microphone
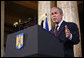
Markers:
<point>27,21</point>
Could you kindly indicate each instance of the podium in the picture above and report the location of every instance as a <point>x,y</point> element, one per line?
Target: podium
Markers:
<point>37,43</point>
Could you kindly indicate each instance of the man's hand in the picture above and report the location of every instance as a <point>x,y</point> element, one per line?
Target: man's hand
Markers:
<point>67,31</point>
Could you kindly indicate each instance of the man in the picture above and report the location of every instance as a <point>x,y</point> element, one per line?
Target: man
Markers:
<point>67,32</point>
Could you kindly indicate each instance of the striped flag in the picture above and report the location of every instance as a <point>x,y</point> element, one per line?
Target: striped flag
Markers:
<point>46,25</point>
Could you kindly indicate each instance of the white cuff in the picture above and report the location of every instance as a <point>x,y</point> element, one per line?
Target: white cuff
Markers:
<point>70,36</point>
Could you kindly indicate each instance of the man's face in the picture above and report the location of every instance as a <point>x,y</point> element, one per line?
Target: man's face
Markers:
<point>56,16</point>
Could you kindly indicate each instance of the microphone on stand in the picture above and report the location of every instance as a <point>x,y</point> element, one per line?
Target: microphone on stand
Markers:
<point>25,22</point>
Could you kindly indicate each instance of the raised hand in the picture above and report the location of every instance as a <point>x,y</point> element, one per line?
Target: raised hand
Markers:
<point>67,32</point>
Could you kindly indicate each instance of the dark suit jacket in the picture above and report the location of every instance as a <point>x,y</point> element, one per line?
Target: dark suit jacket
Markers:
<point>68,44</point>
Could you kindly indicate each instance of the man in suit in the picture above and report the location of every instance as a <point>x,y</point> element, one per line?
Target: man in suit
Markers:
<point>67,32</point>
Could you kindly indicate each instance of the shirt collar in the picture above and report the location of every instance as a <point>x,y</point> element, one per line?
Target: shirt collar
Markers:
<point>59,23</point>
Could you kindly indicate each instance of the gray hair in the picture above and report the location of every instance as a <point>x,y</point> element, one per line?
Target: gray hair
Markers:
<point>60,10</point>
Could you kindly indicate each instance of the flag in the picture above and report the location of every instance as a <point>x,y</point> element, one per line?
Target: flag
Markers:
<point>46,25</point>
<point>19,41</point>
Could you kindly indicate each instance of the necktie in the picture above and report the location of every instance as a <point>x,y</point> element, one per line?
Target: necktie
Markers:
<point>55,31</point>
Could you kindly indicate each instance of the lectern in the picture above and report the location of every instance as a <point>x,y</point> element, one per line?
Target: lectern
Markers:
<point>37,43</point>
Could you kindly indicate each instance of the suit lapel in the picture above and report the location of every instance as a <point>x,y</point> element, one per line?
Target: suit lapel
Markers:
<point>62,27</point>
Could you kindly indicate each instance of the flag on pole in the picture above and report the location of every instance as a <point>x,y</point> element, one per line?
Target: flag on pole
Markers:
<point>46,25</point>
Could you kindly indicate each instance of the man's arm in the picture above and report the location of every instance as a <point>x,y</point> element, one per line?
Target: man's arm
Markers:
<point>72,33</point>
<point>75,34</point>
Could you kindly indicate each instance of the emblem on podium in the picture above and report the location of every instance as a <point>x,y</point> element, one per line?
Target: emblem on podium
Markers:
<point>19,41</point>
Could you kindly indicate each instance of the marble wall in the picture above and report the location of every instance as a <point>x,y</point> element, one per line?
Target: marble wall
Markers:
<point>70,10</point>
